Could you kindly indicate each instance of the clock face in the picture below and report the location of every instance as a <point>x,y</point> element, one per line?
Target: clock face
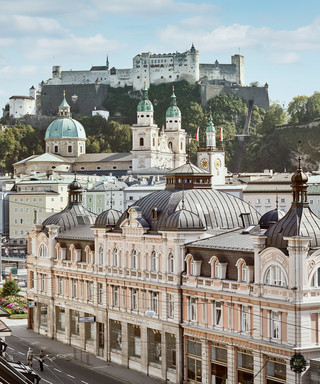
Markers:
<point>217,163</point>
<point>204,163</point>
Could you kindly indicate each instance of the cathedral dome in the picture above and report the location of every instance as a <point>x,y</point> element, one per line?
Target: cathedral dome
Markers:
<point>65,128</point>
<point>108,218</point>
<point>173,110</point>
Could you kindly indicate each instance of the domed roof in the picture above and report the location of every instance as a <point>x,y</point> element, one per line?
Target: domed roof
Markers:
<point>108,218</point>
<point>74,214</point>
<point>184,220</point>
<point>63,127</point>
<point>270,217</point>
<point>145,104</point>
<point>173,110</point>
<point>299,220</point>
<point>206,208</point>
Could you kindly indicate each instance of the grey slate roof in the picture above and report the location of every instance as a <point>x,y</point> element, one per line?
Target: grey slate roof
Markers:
<point>214,208</point>
<point>233,241</point>
<point>103,157</point>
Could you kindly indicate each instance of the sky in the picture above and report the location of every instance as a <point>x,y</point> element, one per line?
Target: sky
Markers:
<point>280,40</point>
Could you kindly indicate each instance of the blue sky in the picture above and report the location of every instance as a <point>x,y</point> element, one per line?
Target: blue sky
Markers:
<point>280,40</point>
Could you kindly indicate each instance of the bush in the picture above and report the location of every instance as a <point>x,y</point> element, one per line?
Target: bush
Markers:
<point>10,288</point>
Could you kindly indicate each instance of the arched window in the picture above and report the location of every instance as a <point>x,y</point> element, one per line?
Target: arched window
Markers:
<point>153,141</point>
<point>242,270</point>
<point>100,256</point>
<point>275,275</point>
<point>134,259</point>
<point>171,263</point>
<point>43,250</point>
<point>315,279</point>
<point>215,268</point>
<point>170,144</point>
<point>141,142</point>
<point>115,256</point>
<point>154,261</point>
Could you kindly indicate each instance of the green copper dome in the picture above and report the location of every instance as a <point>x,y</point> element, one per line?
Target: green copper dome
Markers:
<point>145,104</point>
<point>65,128</point>
<point>210,127</point>
<point>173,110</point>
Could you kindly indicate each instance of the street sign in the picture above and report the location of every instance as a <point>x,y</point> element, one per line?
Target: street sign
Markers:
<point>298,363</point>
<point>31,304</point>
<point>86,319</point>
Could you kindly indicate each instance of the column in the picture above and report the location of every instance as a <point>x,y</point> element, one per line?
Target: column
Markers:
<point>144,350</point>
<point>125,344</point>
<point>231,363</point>
<point>258,367</point>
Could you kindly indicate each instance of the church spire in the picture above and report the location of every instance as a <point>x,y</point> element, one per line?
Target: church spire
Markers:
<point>107,62</point>
<point>64,108</point>
<point>210,133</point>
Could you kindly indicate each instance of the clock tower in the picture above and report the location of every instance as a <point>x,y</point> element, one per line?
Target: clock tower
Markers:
<point>211,158</point>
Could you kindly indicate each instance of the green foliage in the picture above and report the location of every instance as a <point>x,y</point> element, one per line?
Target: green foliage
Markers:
<point>17,143</point>
<point>122,102</point>
<point>297,109</point>
<point>10,288</point>
<point>313,107</point>
<point>276,115</point>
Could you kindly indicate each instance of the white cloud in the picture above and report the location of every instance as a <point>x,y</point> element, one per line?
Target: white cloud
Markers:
<point>281,46</point>
<point>154,8</point>
<point>11,72</point>
<point>71,47</point>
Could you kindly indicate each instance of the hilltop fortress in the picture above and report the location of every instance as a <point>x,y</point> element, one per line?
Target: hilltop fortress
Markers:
<point>90,87</point>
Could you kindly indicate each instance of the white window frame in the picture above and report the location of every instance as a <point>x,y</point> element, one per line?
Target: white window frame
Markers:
<point>218,321</point>
<point>275,325</point>
<point>276,276</point>
<point>193,309</point>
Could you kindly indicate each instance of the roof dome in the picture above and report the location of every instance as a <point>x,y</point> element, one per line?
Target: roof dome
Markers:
<point>145,104</point>
<point>300,220</point>
<point>74,214</point>
<point>270,217</point>
<point>65,128</point>
<point>201,208</point>
<point>184,220</point>
<point>108,218</point>
<point>173,110</point>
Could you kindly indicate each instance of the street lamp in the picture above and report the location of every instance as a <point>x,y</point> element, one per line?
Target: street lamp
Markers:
<point>3,239</point>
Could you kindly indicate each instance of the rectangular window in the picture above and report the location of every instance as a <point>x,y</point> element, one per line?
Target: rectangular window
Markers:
<point>115,336</point>
<point>115,296</point>
<point>245,318</point>
<point>43,316</point>
<point>276,372</point>
<point>154,302</point>
<point>60,286</point>
<point>43,282</point>
<point>218,314</point>
<point>154,347</point>
<point>74,288</point>
<point>134,299</point>
<point>90,290</point>
<point>134,334</point>
<point>100,293</point>
<point>61,316</point>
<point>170,306</point>
<point>275,325</point>
<point>193,309</point>
<point>171,351</point>
<point>75,330</point>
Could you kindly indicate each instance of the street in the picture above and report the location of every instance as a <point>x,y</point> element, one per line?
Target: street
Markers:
<point>58,369</point>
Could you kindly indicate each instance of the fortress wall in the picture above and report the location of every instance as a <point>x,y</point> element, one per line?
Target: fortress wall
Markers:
<point>89,96</point>
<point>259,95</point>
<point>226,72</point>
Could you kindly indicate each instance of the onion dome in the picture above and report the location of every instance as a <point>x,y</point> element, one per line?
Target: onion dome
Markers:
<point>299,220</point>
<point>74,214</point>
<point>183,220</point>
<point>173,110</point>
<point>145,104</point>
<point>270,218</point>
<point>108,218</point>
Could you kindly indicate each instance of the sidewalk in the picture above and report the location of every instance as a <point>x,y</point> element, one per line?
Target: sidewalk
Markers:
<point>19,329</point>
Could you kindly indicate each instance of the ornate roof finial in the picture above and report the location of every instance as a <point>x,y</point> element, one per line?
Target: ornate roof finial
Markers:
<point>111,201</point>
<point>182,201</point>
<point>277,200</point>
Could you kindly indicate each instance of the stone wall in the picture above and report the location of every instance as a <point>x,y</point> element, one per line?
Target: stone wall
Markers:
<point>259,95</point>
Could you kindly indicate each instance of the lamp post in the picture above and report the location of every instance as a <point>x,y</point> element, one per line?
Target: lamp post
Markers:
<point>3,239</point>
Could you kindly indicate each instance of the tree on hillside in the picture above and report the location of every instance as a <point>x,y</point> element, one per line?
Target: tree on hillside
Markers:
<point>276,115</point>
<point>10,288</point>
<point>297,109</point>
<point>313,107</point>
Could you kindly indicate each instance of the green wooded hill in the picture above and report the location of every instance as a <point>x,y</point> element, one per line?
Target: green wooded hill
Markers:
<point>273,142</point>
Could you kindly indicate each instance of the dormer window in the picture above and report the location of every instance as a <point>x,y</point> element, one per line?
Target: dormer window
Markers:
<point>275,275</point>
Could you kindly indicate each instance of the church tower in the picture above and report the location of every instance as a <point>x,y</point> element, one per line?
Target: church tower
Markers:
<point>145,136</point>
<point>211,158</point>
<point>176,135</point>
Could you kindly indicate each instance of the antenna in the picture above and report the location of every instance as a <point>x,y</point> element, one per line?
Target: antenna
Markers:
<point>111,201</point>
